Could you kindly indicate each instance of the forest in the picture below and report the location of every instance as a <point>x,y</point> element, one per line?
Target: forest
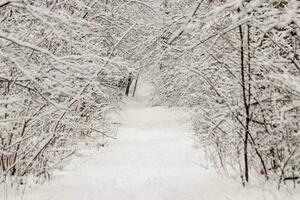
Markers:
<point>234,65</point>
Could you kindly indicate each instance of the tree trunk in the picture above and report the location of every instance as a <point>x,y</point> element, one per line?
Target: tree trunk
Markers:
<point>135,84</point>
<point>246,106</point>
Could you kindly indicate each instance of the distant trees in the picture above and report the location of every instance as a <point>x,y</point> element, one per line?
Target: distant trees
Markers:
<point>236,64</point>
<point>60,65</point>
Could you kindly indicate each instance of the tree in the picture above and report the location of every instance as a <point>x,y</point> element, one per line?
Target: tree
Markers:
<point>60,65</point>
<point>226,62</point>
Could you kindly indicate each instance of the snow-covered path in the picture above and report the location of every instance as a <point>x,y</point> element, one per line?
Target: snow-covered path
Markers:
<point>152,159</point>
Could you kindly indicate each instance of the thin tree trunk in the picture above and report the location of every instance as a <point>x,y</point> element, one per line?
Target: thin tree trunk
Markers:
<point>246,106</point>
<point>135,84</point>
<point>13,171</point>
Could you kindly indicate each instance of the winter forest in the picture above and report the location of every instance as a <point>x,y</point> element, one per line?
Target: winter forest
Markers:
<point>149,99</point>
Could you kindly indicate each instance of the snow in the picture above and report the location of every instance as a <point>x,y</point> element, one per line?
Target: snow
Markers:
<point>153,159</point>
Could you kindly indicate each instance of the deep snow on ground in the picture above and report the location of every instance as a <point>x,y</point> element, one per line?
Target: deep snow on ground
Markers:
<point>152,159</point>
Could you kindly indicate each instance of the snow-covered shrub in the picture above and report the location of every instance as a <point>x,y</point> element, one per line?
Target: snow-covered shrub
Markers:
<point>60,66</point>
<point>235,64</point>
